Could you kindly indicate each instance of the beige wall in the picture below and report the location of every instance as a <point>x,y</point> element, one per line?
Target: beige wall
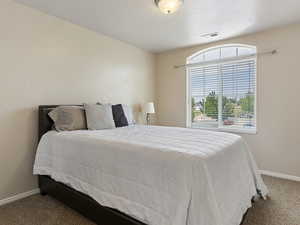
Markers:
<point>44,60</point>
<point>276,146</point>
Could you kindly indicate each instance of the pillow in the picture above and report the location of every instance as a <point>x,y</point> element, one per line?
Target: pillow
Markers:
<point>129,114</point>
<point>68,118</point>
<point>99,116</point>
<point>119,116</point>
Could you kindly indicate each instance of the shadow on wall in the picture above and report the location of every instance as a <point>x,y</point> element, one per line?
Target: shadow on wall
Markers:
<point>139,116</point>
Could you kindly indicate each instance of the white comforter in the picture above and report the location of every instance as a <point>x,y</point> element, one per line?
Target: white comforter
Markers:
<point>159,175</point>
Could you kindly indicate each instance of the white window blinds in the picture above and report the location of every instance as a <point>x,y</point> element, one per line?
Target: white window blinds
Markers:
<point>224,95</point>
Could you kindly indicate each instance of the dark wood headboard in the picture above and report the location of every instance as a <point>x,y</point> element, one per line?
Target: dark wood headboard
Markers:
<point>45,122</point>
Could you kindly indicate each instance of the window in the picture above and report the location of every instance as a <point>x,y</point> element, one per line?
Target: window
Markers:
<point>222,89</point>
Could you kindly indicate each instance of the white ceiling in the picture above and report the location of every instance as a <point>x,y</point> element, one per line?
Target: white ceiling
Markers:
<point>139,22</point>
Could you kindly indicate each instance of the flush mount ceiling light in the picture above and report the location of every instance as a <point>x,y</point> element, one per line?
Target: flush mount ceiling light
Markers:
<point>168,6</point>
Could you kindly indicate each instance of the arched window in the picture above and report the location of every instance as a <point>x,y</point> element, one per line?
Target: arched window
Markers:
<point>222,88</point>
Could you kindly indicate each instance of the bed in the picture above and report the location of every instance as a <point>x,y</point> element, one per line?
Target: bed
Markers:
<point>148,174</point>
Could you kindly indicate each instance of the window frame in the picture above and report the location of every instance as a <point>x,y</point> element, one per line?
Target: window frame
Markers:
<point>189,95</point>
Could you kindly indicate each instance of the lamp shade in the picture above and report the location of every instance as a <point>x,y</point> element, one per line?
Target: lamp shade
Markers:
<point>149,107</point>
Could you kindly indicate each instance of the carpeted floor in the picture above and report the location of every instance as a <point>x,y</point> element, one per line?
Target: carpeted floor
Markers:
<point>282,208</point>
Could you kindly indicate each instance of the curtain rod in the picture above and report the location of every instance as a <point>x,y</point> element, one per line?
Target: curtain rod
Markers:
<point>227,60</point>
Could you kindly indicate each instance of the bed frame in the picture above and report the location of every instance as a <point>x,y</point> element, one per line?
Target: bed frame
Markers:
<point>76,200</point>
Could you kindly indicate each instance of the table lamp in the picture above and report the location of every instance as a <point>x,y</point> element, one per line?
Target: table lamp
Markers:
<point>148,108</point>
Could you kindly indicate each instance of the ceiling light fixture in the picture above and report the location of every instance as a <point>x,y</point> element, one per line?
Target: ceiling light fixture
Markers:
<point>168,6</point>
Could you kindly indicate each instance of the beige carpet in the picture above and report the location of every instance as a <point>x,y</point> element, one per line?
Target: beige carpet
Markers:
<point>283,208</point>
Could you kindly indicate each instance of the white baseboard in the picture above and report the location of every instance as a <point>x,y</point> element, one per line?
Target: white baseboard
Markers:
<point>280,175</point>
<point>19,196</point>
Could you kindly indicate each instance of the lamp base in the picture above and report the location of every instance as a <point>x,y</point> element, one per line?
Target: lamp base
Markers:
<point>148,118</point>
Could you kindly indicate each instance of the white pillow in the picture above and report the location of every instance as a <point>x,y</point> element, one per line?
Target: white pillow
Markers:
<point>129,114</point>
<point>68,118</point>
<point>99,117</point>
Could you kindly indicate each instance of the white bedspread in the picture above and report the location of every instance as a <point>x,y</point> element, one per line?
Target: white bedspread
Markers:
<point>159,175</point>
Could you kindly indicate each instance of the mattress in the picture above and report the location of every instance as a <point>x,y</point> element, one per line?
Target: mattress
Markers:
<point>158,175</point>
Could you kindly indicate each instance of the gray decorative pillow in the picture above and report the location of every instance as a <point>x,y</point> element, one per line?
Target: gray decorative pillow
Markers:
<point>99,116</point>
<point>129,114</point>
<point>68,118</point>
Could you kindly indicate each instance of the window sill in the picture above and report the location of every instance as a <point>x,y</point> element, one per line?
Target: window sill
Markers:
<point>230,130</point>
